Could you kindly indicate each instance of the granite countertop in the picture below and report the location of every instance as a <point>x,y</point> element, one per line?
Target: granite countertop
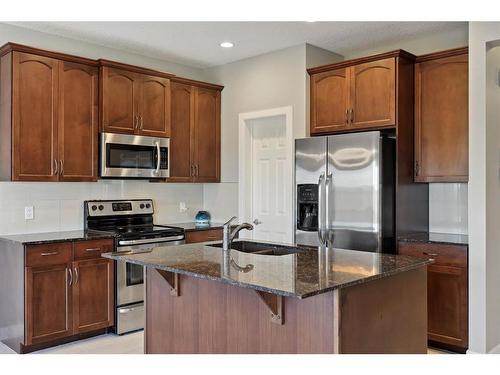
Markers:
<point>49,237</point>
<point>439,238</point>
<point>305,274</point>
<point>191,226</point>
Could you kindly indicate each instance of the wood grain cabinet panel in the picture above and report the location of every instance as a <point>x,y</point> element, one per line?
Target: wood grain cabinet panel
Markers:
<point>204,235</point>
<point>119,100</point>
<point>93,295</point>
<point>48,303</point>
<point>182,133</point>
<point>195,135</point>
<point>330,101</point>
<point>78,122</point>
<point>373,94</point>
<point>34,117</point>
<point>207,135</point>
<point>447,292</point>
<point>154,107</point>
<point>441,118</point>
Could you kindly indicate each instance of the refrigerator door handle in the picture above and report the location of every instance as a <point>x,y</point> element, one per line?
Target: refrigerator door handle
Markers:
<point>329,210</point>
<point>321,209</point>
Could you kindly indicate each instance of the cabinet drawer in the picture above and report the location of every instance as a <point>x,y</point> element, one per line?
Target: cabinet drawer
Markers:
<point>204,235</point>
<point>447,255</point>
<point>92,249</point>
<point>48,254</point>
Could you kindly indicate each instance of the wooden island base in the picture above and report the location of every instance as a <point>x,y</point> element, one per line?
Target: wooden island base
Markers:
<point>387,315</point>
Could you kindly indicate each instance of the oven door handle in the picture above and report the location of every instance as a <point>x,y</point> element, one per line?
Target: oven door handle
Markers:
<point>158,158</point>
<point>149,240</point>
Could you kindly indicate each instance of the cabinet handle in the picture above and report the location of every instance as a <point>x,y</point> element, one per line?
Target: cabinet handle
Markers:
<point>347,116</point>
<point>352,115</point>
<point>192,170</point>
<point>49,254</point>
<point>94,249</point>
<point>61,170</point>
<point>142,122</point>
<point>76,275</point>
<point>430,254</point>
<point>70,276</point>
<point>56,167</point>
<point>196,170</point>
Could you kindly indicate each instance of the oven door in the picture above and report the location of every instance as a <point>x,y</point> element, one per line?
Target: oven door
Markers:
<point>129,283</point>
<point>134,156</point>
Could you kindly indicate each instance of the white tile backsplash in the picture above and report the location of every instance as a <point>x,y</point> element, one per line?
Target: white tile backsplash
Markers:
<point>59,206</point>
<point>448,208</point>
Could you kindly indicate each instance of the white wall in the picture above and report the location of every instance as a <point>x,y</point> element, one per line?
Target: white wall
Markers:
<point>483,195</point>
<point>59,206</point>
<point>271,80</point>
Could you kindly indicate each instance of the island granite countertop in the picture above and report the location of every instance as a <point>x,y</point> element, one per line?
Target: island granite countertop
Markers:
<point>51,237</point>
<point>301,275</point>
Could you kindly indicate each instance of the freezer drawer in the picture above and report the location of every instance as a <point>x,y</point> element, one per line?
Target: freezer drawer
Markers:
<point>130,318</point>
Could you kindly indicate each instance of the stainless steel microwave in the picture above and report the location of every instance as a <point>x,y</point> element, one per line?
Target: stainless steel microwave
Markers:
<point>134,156</point>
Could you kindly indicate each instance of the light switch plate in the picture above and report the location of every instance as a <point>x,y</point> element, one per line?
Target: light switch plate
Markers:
<point>182,207</point>
<point>28,213</point>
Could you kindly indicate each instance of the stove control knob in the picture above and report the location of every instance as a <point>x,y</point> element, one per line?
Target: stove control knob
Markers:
<point>141,206</point>
<point>148,205</point>
<point>101,207</point>
<point>94,207</point>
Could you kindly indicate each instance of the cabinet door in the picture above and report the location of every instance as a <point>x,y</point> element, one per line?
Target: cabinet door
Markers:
<point>93,295</point>
<point>207,135</point>
<point>47,303</point>
<point>447,305</point>
<point>329,101</point>
<point>78,132</point>
<point>120,94</point>
<point>34,117</point>
<point>373,94</point>
<point>182,133</point>
<point>154,107</point>
<point>441,120</point>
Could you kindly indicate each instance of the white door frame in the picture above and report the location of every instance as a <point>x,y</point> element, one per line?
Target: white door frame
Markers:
<point>245,164</point>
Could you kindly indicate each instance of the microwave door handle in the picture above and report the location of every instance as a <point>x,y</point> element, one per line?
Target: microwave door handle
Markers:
<point>158,158</point>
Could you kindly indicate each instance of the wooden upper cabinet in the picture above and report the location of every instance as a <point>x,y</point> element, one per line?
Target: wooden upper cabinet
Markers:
<point>359,94</point>
<point>207,135</point>
<point>154,107</point>
<point>78,122</point>
<point>182,133</point>
<point>373,94</point>
<point>34,117</point>
<point>119,100</point>
<point>195,131</point>
<point>441,117</point>
<point>329,101</point>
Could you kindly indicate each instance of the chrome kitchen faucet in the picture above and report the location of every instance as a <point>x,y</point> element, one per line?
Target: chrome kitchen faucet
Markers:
<point>228,236</point>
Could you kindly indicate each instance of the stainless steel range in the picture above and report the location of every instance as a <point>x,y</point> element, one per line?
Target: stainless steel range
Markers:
<point>131,221</point>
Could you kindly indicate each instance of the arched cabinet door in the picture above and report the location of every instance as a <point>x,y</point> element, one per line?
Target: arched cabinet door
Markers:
<point>182,130</point>
<point>154,107</point>
<point>373,94</point>
<point>78,113</point>
<point>120,94</point>
<point>329,101</point>
<point>34,117</point>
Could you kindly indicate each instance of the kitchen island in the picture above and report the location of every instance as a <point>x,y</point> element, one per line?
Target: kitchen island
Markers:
<point>265,298</point>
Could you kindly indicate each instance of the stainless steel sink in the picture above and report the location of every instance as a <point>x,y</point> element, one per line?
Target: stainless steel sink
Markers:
<point>261,248</point>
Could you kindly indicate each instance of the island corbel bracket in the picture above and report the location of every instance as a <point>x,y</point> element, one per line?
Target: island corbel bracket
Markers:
<point>275,304</point>
<point>172,279</point>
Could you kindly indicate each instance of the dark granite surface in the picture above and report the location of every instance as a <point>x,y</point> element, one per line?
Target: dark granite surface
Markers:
<point>49,237</point>
<point>307,273</point>
<point>191,226</point>
<point>432,237</point>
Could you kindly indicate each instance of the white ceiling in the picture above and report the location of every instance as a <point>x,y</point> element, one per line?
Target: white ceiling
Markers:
<point>196,44</point>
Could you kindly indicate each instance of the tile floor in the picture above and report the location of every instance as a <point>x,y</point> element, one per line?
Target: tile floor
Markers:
<point>110,344</point>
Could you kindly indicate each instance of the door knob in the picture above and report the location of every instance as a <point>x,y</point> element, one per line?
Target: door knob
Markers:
<point>257,222</point>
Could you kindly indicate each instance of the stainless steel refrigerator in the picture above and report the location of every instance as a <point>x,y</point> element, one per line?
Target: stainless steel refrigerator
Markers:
<point>344,191</point>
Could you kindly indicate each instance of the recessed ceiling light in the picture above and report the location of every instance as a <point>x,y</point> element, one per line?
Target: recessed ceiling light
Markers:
<point>226,44</point>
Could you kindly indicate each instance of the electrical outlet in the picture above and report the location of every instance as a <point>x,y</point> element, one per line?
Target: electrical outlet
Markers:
<point>182,207</point>
<point>28,213</point>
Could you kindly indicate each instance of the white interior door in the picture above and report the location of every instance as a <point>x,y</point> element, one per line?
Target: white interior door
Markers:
<point>270,194</point>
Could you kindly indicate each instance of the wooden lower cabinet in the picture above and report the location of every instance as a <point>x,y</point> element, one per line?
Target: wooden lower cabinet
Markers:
<point>93,296</point>
<point>66,297</point>
<point>447,292</point>
<point>204,235</point>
